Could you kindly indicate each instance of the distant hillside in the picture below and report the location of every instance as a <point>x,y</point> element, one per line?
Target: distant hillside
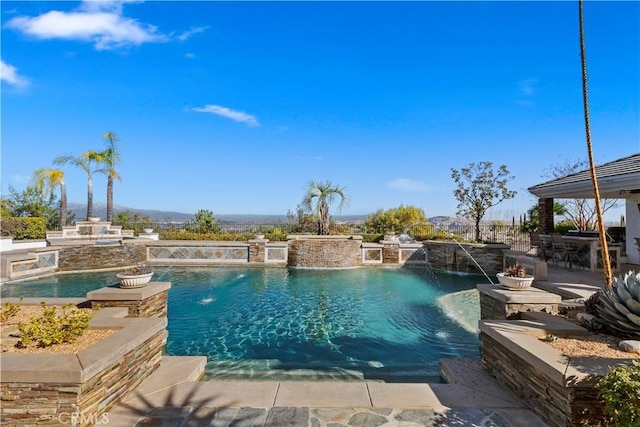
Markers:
<point>100,209</point>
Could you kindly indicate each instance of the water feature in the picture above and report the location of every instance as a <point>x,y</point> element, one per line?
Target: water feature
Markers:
<point>391,324</point>
<point>473,259</point>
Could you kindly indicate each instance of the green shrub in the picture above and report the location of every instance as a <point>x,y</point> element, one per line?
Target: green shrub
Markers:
<point>620,390</point>
<point>9,310</point>
<point>21,228</point>
<point>50,329</point>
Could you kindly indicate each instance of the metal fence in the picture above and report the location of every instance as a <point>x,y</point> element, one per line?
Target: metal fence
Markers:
<point>489,233</point>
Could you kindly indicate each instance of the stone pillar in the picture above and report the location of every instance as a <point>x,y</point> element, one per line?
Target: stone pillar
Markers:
<point>545,215</point>
<point>148,301</point>
<point>257,250</point>
<point>497,303</point>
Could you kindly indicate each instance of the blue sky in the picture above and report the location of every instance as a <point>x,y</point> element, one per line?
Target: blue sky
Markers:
<point>235,106</point>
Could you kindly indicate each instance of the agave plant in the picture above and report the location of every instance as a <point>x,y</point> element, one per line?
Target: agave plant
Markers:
<point>619,306</point>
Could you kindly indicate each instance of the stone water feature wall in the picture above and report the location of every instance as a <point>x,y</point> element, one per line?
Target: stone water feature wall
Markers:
<point>299,251</point>
<point>325,251</point>
<point>451,257</point>
<point>93,257</point>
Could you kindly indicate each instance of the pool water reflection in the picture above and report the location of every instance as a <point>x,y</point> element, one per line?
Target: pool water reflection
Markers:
<point>278,323</point>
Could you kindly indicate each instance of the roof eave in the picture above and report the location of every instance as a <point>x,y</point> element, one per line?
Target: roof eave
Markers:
<point>618,187</point>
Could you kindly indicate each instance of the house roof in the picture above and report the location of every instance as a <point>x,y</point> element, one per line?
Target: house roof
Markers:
<point>618,179</point>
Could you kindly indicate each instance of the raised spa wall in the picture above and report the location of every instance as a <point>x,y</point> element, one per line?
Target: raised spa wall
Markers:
<point>301,251</point>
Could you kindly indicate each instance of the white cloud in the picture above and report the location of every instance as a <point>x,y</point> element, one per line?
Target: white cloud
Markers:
<point>410,185</point>
<point>9,74</point>
<point>190,55</point>
<point>187,34</point>
<point>527,87</point>
<point>228,113</point>
<point>94,21</point>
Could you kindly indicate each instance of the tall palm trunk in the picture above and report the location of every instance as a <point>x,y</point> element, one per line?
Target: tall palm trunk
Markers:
<point>89,197</point>
<point>109,198</point>
<point>323,221</point>
<point>606,263</point>
<point>63,204</point>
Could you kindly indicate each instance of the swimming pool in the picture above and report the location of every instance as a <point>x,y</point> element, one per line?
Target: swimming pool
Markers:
<point>279,323</point>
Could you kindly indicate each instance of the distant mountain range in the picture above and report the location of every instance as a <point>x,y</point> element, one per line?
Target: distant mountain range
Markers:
<point>100,209</point>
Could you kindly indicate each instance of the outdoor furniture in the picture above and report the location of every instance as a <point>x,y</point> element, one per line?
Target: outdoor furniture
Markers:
<point>542,248</point>
<point>562,251</point>
<point>547,246</point>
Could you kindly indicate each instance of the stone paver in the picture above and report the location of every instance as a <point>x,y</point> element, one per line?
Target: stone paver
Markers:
<point>321,394</point>
<point>171,397</point>
<point>329,417</point>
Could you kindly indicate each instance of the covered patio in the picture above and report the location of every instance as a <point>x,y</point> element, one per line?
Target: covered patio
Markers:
<point>618,179</point>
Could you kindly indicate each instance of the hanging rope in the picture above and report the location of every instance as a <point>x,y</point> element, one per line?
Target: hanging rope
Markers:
<point>606,262</point>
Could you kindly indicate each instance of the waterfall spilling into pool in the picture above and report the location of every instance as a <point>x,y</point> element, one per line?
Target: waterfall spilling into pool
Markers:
<point>281,323</point>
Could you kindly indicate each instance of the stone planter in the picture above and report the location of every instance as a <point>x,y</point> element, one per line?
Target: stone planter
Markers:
<point>94,219</point>
<point>561,390</point>
<point>514,283</point>
<point>147,230</point>
<point>129,281</point>
<point>77,389</point>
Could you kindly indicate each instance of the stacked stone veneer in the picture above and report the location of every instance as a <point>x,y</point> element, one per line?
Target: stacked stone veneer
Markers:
<point>325,251</point>
<point>54,389</point>
<point>77,389</point>
<point>148,301</point>
<point>90,257</point>
<point>561,390</point>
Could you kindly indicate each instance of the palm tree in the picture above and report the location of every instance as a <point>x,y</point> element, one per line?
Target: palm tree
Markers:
<point>84,161</point>
<point>46,180</point>
<point>324,194</point>
<point>111,157</point>
<point>606,263</point>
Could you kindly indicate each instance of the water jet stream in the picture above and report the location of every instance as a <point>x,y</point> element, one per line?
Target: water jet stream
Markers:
<point>472,259</point>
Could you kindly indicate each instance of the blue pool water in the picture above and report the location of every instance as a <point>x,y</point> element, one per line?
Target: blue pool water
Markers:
<point>390,324</point>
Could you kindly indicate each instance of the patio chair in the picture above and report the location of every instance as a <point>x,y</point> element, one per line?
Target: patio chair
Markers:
<point>562,251</point>
<point>541,249</point>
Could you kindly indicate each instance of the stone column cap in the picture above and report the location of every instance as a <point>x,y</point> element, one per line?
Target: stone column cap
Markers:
<point>527,296</point>
<point>115,293</point>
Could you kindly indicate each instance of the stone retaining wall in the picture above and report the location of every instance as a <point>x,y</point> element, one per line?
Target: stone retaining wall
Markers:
<point>561,390</point>
<point>54,389</point>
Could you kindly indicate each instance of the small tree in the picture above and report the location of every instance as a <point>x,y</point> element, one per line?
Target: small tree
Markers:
<point>480,188</point>
<point>206,222</point>
<point>532,224</point>
<point>323,193</point>
<point>300,221</point>
<point>398,219</point>
<point>132,220</point>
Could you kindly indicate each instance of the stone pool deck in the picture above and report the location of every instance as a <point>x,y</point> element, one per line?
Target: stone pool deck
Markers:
<point>173,396</point>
